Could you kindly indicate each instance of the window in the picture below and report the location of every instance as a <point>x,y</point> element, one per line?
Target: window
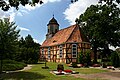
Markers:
<point>48,30</point>
<point>49,53</point>
<point>74,50</point>
<point>42,53</point>
<point>55,30</point>
<point>60,51</point>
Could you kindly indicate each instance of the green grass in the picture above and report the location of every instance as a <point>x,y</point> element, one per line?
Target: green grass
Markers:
<point>37,73</point>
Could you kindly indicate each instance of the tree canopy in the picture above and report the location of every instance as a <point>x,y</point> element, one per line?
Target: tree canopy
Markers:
<point>29,50</point>
<point>8,38</point>
<point>101,25</point>
<point>11,47</point>
<point>109,1</point>
<point>6,4</point>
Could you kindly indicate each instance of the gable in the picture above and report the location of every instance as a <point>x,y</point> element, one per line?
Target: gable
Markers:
<point>77,35</point>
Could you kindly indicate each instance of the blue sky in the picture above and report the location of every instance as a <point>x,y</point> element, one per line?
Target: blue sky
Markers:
<point>34,20</point>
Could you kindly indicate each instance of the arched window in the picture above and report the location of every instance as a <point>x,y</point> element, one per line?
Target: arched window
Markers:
<point>60,51</point>
<point>48,52</point>
<point>74,51</point>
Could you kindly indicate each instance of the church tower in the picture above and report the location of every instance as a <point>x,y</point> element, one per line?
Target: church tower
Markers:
<point>53,27</point>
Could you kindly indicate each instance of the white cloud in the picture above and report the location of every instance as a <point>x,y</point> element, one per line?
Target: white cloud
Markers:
<point>12,13</point>
<point>37,41</point>
<point>74,10</point>
<point>23,29</point>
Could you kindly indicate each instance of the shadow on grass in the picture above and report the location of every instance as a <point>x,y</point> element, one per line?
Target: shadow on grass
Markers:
<point>22,76</point>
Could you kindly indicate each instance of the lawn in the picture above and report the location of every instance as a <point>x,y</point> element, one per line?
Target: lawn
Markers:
<point>37,73</point>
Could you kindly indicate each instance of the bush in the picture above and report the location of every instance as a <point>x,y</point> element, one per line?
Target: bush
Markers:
<point>81,57</point>
<point>104,65</point>
<point>115,60</point>
<point>85,58</point>
<point>60,67</point>
<point>11,65</point>
<point>74,64</point>
<point>109,64</point>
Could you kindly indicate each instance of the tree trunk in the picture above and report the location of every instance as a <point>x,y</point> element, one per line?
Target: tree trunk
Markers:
<point>95,55</point>
<point>0,63</point>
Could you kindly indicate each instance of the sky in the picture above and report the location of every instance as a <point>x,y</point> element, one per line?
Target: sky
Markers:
<point>34,20</point>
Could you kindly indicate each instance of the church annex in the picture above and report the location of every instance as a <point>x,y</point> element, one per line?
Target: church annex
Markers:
<point>63,45</point>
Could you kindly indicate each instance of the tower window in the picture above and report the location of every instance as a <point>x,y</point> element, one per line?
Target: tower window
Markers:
<point>48,30</point>
<point>55,30</point>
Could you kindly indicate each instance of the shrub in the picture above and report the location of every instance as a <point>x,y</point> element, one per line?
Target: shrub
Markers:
<point>88,57</point>
<point>11,65</point>
<point>104,65</point>
<point>60,67</point>
<point>109,64</point>
<point>85,57</point>
<point>115,60</point>
<point>74,64</point>
<point>81,57</point>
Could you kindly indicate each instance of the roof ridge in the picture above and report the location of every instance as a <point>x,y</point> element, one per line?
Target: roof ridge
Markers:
<point>71,32</point>
<point>67,27</point>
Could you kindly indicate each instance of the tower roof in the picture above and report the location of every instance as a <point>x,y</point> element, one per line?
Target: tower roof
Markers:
<point>53,21</point>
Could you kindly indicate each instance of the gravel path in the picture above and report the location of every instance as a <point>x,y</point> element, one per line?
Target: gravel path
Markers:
<point>26,68</point>
<point>112,75</point>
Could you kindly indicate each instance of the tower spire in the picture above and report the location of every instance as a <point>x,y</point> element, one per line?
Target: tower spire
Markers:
<point>53,14</point>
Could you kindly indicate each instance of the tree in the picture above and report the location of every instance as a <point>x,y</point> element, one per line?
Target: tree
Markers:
<point>5,5</point>
<point>101,25</point>
<point>29,50</point>
<point>109,1</point>
<point>100,1</point>
<point>29,41</point>
<point>115,59</point>
<point>8,39</point>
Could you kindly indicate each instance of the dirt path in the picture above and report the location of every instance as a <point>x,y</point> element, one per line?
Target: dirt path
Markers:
<point>26,68</point>
<point>112,75</point>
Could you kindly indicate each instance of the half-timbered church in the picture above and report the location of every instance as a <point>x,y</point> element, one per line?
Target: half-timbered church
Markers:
<point>63,45</point>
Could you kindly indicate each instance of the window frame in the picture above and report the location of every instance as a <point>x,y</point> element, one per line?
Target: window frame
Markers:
<point>74,50</point>
<point>42,52</point>
<point>48,52</point>
<point>60,51</point>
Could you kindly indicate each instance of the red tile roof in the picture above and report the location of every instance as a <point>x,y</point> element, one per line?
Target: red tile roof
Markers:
<point>69,34</point>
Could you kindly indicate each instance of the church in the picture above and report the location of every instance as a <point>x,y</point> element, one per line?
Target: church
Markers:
<point>63,45</point>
